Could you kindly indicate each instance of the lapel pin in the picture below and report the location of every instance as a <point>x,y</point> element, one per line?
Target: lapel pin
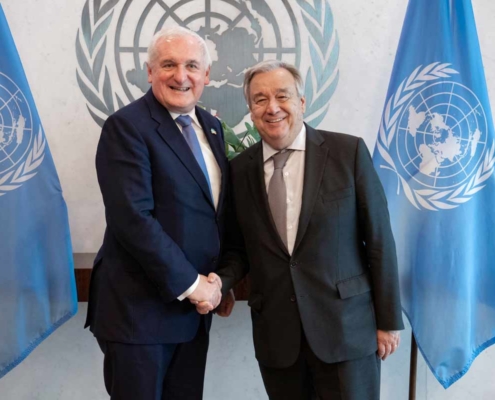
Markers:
<point>213,131</point>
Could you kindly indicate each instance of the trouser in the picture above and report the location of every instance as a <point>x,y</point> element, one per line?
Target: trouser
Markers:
<point>310,378</point>
<point>156,372</point>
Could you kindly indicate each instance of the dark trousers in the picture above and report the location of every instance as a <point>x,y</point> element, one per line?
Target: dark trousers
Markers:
<point>310,378</point>
<point>156,372</point>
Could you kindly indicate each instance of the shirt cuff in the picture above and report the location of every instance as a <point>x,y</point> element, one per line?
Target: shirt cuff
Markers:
<point>191,289</point>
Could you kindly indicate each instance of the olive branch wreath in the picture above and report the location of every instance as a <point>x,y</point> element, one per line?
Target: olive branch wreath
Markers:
<point>92,35</point>
<point>429,199</point>
<point>26,170</point>
<point>91,44</point>
<point>320,24</point>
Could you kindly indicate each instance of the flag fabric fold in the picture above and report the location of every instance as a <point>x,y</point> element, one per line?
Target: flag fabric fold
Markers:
<point>435,157</point>
<point>37,285</point>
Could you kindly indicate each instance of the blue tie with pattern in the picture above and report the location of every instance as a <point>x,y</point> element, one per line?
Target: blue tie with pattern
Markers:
<point>192,140</point>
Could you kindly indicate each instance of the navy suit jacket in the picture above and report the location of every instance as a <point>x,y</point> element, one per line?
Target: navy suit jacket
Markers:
<point>162,226</point>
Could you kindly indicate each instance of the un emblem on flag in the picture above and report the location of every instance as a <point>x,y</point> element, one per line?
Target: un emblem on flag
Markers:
<point>21,150</point>
<point>433,135</point>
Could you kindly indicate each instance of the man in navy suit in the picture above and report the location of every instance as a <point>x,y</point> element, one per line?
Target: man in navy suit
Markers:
<point>162,173</point>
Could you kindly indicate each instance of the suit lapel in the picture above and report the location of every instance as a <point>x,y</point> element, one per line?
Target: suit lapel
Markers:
<point>217,147</point>
<point>256,177</point>
<point>213,139</point>
<point>314,166</point>
<point>171,134</point>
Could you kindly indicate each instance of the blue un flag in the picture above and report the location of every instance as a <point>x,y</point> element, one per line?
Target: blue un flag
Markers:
<point>37,287</point>
<point>435,155</point>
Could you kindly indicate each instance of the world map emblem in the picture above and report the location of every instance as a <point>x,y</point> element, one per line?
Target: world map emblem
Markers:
<point>433,135</point>
<point>22,145</point>
<point>111,49</point>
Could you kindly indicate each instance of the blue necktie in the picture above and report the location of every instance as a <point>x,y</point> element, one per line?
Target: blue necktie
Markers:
<point>192,140</point>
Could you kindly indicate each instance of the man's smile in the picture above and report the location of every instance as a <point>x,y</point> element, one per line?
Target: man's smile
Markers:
<point>180,89</point>
<point>274,121</point>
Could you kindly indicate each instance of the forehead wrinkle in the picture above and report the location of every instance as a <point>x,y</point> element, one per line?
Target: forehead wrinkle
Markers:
<point>172,51</point>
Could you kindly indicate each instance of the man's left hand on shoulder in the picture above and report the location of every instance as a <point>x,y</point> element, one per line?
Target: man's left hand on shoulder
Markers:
<point>388,342</point>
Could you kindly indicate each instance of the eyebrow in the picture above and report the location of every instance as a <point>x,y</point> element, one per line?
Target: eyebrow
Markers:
<point>278,91</point>
<point>259,94</point>
<point>170,60</point>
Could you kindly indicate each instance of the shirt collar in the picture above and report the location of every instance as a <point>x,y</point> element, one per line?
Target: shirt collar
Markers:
<point>299,143</point>
<point>191,113</point>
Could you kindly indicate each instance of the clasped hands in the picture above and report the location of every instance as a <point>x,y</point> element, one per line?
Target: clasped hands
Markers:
<point>208,296</point>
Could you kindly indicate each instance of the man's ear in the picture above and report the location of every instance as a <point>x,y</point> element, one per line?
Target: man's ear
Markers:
<point>303,104</point>
<point>207,77</point>
<point>149,72</point>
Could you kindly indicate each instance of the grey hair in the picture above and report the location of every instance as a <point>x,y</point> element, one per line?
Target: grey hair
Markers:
<point>270,65</point>
<point>176,32</point>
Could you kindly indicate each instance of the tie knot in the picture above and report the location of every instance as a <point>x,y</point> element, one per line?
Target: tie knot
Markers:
<point>281,158</point>
<point>184,120</point>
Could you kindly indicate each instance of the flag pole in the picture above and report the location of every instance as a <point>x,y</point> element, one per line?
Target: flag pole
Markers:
<point>413,368</point>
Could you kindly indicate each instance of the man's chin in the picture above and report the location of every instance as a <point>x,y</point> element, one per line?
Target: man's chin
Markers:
<point>277,142</point>
<point>180,108</point>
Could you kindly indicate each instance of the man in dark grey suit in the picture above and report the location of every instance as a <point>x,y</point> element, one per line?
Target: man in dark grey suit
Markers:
<point>316,238</point>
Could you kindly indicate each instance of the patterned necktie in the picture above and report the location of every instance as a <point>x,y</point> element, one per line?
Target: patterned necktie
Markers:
<point>277,194</point>
<point>192,140</point>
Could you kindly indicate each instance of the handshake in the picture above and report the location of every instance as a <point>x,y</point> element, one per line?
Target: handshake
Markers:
<point>208,296</point>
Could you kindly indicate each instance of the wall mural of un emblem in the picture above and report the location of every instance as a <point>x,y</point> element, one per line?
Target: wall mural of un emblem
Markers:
<point>111,49</point>
<point>434,137</point>
<point>21,149</point>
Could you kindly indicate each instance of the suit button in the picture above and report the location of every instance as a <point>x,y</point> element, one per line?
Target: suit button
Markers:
<point>214,260</point>
<point>293,298</point>
<point>293,264</point>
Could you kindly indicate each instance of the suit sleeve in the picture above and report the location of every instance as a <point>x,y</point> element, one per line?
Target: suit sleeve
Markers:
<point>380,245</point>
<point>124,172</point>
<point>234,264</point>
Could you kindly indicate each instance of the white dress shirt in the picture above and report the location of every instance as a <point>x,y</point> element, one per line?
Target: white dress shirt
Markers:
<point>214,173</point>
<point>293,174</point>
<point>212,167</point>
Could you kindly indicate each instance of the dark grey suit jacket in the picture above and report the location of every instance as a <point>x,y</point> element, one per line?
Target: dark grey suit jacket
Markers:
<point>340,285</point>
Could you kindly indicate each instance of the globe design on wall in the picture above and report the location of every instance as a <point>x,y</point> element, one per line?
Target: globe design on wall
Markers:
<point>250,33</point>
<point>111,50</point>
<point>16,125</point>
<point>441,135</point>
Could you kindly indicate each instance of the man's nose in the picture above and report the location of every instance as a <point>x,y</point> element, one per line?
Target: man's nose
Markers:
<point>273,106</point>
<point>180,74</point>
